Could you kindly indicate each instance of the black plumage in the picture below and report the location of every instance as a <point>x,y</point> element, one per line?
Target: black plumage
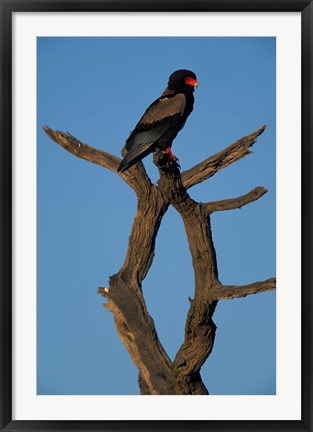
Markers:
<point>162,120</point>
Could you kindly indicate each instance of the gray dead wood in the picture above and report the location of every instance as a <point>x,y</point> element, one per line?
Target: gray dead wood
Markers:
<point>124,297</point>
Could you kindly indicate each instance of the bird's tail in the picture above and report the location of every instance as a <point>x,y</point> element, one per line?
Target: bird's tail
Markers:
<point>124,165</point>
<point>134,155</point>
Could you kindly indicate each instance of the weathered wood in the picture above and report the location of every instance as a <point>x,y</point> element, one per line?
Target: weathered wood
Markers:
<point>222,159</point>
<point>224,292</point>
<point>125,300</point>
<point>136,177</point>
<point>235,203</point>
<point>144,389</point>
<point>200,328</point>
<point>137,331</point>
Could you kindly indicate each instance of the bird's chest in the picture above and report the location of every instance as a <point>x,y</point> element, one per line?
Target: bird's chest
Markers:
<point>166,140</point>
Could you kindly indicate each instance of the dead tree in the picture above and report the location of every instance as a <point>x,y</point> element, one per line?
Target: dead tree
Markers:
<point>157,373</point>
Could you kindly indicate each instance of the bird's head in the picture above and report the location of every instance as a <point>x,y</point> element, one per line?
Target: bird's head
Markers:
<point>182,79</point>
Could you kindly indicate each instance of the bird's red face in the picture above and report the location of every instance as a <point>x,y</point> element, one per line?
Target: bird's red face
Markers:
<point>191,81</point>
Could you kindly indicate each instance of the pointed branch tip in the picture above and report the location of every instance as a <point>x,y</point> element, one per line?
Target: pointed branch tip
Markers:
<point>210,166</point>
<point>104,292</point>
<point>236,203</point>
<point>226,292</point>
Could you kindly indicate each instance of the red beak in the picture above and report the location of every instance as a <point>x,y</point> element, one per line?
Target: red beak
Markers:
<point>191,81</point>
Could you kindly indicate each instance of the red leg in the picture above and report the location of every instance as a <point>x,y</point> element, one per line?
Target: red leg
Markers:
<point>169,152</point>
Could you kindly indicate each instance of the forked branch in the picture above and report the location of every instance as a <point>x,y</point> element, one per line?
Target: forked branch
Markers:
<point>125,300</point>
<point>136,177</point>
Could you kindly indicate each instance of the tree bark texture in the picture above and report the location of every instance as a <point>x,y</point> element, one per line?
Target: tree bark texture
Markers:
<point>158,375</point>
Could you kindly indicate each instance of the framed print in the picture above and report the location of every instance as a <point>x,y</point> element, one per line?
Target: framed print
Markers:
<point>116,116</point>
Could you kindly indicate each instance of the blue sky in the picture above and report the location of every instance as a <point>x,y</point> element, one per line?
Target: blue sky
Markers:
<point>97,89</point>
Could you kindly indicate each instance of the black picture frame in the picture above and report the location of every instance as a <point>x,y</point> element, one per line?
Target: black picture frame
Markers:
<point>8,7</point>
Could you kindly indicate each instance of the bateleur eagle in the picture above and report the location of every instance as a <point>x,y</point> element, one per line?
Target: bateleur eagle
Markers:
<point>163,119</point>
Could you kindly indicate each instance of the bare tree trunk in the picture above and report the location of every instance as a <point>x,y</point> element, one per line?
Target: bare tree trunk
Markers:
<point>157,373</point>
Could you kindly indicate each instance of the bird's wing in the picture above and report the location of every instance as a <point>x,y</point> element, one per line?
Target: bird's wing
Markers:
<point>157,120</point>
<point>166,106</point>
